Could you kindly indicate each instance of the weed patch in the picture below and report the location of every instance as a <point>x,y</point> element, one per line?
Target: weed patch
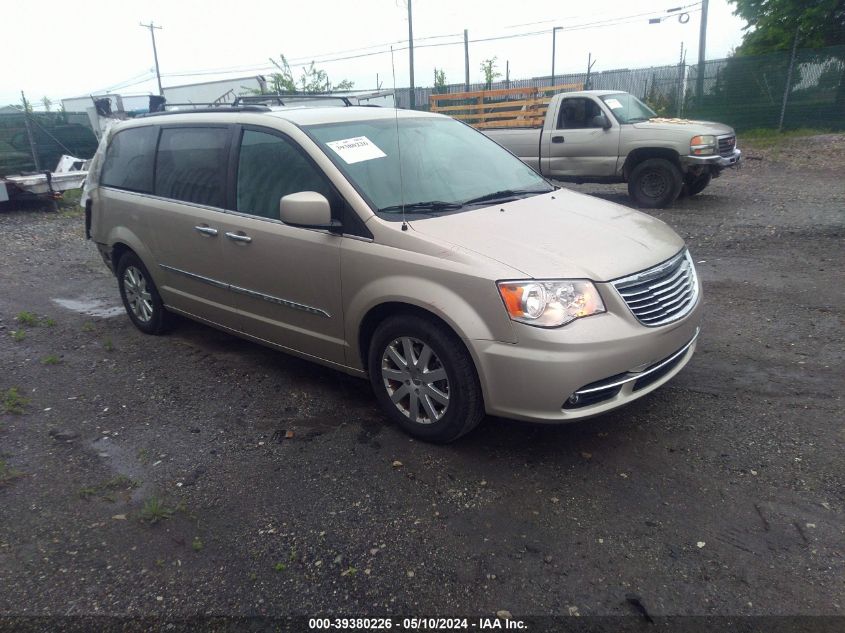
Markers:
<point>27,318</point>
<point>52,359</point>
<point>13,401</point>
<point>155,510</point>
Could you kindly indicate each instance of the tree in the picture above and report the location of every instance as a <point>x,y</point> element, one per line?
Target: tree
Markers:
<point>47,102</point>
<point>439,81</point>
<point>488,68</point>
<point>772,24</point>
<point>311,80</point>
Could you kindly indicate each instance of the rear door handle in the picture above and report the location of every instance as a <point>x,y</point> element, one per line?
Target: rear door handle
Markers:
<point>557,139</point>
<point>206,230</point>
<point>239,237</point>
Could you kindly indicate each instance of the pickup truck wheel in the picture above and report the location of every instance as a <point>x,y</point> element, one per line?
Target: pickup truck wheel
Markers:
<point>696,185</point>
<point>655,183</point>
<point>140,296</point>
<point>424,379</point>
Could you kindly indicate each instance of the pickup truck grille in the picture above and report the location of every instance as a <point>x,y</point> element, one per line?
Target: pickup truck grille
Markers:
<point>726,145</point>
<point>661,294</point>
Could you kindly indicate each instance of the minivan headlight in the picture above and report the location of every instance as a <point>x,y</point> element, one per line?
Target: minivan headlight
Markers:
<point>702,145</point>
<point>550,302</point>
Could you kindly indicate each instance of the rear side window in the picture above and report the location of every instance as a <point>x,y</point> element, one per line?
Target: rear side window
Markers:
<point>129,160</point>
<point>191,165</point>
<point>270,167</point>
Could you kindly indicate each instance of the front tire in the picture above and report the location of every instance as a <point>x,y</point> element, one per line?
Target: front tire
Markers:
<point>424,379</point>
<point>140,296</point>
<point>655,183</point>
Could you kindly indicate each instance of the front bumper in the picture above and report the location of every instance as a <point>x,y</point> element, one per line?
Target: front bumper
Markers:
<point>713,161</point>
<point>611,356</point>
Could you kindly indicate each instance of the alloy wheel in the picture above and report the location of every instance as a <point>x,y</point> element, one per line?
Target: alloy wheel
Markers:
<point>138,294</point>
<point>415,380</point>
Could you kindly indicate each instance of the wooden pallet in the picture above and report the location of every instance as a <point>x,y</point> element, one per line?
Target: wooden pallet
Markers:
<point>504,107</point>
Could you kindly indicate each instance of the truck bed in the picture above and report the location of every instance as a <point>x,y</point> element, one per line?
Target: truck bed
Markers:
<point>523,142</point>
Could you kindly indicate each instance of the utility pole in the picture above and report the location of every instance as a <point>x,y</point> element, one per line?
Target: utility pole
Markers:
<point>466,60</point>
<point>152,28</point>
<point>702,45</point>
<point>554,34</point>
<point>412,96</point>
<point>32,147</point>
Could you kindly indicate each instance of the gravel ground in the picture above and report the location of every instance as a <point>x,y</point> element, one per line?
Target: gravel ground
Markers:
<point>720,494</point>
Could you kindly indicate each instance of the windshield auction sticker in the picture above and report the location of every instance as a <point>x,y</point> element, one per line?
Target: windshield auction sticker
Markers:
<point>356,150</point>
<point>613,104</point>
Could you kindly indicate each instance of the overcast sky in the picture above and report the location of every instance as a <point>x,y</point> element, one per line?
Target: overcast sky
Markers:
<point>64,49</point>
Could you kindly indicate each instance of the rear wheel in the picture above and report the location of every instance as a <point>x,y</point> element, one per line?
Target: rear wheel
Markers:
<point>424,379</point>
<point>140,297</point>
<point>655,183</point>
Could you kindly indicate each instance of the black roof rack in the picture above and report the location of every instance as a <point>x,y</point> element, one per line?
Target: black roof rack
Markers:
<point>287,98</point>
<point>195,108</point>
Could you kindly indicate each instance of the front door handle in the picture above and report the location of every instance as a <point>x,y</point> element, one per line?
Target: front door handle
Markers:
<point>557,139</point>
<point>206,230</point>
<point>239,237</point>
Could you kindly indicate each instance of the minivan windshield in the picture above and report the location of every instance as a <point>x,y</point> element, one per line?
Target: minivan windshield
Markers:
<point>446,165</point>
<point>627,108</point>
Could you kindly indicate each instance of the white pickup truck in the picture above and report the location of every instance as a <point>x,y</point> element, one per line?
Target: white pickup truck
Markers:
<point>611,136</point>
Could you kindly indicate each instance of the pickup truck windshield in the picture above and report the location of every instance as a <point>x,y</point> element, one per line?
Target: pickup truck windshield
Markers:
<point>627,108</point>
<point>446,166</point>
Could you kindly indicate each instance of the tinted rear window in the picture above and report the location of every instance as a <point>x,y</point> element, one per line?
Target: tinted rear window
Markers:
<point>192,165</point>
<point>129,160</point>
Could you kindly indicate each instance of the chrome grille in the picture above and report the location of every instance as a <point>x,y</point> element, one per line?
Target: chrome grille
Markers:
<point>661,294</point>
<point>726,145</point>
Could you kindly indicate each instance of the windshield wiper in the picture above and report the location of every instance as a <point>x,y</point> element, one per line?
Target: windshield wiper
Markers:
<point>430,205</point>
<point>505,193</point>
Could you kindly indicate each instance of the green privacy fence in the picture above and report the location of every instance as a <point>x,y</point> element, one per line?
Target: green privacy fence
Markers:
<point>744,92</point>
<point>748,92</point>
<point>52,134</point>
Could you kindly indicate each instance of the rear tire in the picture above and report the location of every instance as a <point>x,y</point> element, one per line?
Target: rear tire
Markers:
<point>424,379</point>
<point>655,183</point>
<point>140,296</point>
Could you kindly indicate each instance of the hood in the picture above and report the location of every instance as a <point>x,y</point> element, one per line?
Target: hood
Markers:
<point>559,234</point>
<point>693,127</point>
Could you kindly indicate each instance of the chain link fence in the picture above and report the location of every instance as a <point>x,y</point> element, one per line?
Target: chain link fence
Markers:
<point>744,92</point>
<point>53,134</point>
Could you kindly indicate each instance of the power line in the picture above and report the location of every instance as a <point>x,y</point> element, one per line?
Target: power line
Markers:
<point>616,21</point>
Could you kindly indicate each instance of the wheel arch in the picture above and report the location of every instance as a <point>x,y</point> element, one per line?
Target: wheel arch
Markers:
<point>636,156</point>
<point>382,311</point>
<point>121,241</point>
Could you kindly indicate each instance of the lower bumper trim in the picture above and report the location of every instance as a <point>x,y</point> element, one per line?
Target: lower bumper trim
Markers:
<point>608,388</point>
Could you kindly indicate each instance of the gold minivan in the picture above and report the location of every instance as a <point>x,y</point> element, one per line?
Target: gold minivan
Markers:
<point>397,245</point>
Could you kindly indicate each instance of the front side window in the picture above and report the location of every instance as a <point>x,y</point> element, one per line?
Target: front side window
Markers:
<point>191,165</point>
<point>446,166</point>
<point>129,160</point>
<point>627,108</point>
<point>578,113</point>
<point>270,167</point>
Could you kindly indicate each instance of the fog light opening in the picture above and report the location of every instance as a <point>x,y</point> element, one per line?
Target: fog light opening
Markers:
<point>574,399</point>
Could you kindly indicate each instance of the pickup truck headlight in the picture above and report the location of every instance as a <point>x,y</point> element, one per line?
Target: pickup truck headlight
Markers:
<point>702,145</point>
<point>551,302</point>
